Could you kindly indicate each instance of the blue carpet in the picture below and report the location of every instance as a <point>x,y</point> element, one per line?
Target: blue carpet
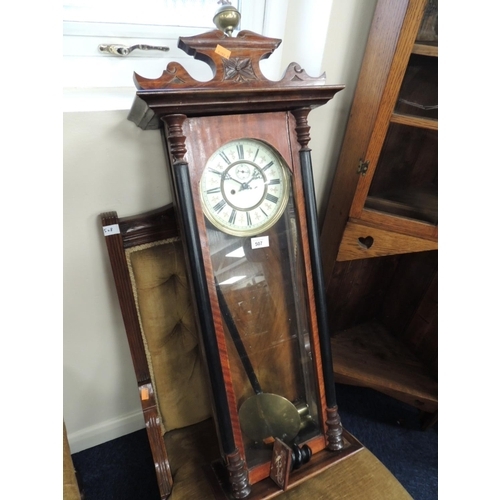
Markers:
<point>123,469</point>
<point>391,431</point>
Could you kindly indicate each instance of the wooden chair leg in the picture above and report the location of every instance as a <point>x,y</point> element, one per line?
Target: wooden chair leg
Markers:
<point>156,442</point>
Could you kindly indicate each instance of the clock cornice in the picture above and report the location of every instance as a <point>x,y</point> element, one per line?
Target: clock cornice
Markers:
<point>237,86</point>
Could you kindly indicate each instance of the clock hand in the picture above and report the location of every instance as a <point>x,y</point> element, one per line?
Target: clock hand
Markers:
<point>255,175</point>
<point>229,178</point>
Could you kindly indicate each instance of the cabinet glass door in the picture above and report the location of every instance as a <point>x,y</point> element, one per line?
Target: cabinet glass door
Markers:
<point>405,182</point>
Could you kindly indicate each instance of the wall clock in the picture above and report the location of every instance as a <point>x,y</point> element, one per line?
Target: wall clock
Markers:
<point>237,149</point>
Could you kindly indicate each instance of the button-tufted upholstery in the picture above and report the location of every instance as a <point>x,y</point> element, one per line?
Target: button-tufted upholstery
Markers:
<point>161,291</point>
<point>149,272</point>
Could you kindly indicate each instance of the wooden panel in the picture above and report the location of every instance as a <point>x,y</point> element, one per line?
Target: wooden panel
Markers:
<point>362,241</point>
<point>368,355</point>
<point>358,290</point>
<point>414,276</point>
<point>422,332</point>
<point>411,306</point>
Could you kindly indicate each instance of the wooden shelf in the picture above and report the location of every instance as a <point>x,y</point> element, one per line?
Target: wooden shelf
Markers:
<point>417,204</point>
<point>425,49</point>
<point>368,355</point>
<point>414,121</point>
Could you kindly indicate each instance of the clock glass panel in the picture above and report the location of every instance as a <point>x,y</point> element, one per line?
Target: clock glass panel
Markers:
<point>260,281</point>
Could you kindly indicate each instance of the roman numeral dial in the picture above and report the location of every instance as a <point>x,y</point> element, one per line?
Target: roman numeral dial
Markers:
<point>244,187</point>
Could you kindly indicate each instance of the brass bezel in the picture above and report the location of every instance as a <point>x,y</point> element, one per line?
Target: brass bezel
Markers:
<point>282,203</point>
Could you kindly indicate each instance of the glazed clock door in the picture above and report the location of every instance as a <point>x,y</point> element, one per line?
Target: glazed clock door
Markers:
<point>260,281</point>
<point>244,183</point>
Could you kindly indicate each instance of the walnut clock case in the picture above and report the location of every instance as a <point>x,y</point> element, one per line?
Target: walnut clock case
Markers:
<point>237,148</point>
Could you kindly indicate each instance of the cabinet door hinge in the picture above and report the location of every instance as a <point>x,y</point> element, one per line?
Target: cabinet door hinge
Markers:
<point>363,167</point>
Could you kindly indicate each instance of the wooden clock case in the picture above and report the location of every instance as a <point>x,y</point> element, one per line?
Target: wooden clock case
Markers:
<point>196,118</point>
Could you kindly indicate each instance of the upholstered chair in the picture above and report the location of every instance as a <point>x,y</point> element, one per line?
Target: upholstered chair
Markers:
<point>147,262</point>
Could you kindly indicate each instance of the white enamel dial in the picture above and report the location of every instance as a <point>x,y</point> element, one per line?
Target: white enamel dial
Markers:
<point>244,187</point>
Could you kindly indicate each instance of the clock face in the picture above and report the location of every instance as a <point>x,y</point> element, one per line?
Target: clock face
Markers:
<point>244,187</point>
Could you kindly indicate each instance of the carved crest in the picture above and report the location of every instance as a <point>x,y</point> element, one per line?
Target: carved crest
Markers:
<point>233,60</point>
<point>237,86</point>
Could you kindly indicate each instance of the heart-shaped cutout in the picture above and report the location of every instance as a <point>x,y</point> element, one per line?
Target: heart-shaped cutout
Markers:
<point>366,242</point>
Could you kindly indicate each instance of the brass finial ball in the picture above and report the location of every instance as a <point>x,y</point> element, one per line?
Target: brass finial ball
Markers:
<point>227,18</point>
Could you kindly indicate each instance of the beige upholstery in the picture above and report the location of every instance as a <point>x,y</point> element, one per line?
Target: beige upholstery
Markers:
<point>161,291</point>
<point>359,477</point>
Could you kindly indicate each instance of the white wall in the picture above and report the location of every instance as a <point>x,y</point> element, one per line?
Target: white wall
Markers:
<point>110,164</point>
<point>348,26</point>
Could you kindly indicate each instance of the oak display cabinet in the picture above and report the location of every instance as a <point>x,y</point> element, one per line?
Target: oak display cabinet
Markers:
<point>379,236</point>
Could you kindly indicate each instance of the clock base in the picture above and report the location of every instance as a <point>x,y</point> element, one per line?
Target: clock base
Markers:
<point>267,488</point>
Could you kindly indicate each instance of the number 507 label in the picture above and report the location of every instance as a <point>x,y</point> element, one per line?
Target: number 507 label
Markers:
<point>260,242</point>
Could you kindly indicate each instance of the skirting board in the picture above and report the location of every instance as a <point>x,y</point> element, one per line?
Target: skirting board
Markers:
<point>105,431</point>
